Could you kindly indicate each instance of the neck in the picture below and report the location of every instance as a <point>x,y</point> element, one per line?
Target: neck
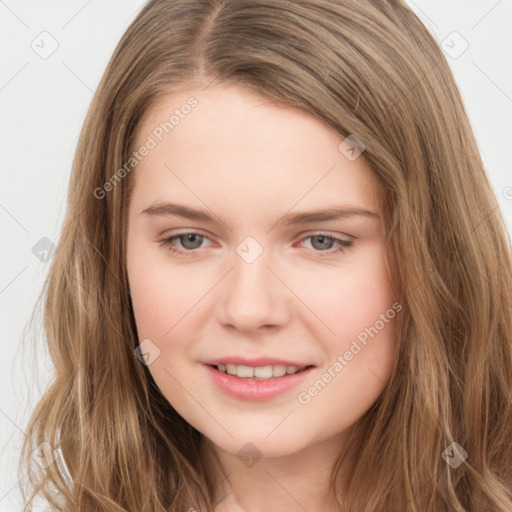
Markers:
<point>275,484</point>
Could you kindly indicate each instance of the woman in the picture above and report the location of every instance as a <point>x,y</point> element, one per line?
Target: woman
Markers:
<point>257,368</point>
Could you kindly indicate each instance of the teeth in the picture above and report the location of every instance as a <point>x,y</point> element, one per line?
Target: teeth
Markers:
<point>244,371</point>
<point>259,372</point>
<point>280,370</point>
<point>262,372</point>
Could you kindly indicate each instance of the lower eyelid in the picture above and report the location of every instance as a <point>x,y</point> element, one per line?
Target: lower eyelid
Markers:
<point>168,242</point>
<point>339,242</point>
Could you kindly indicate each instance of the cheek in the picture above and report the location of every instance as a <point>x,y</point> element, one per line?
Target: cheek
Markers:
<point>356,304</point>
<point>161,293</point>
<point>161,300</point>
<point>351,298</point>
<point>355,374</point>
<point>150,299</point>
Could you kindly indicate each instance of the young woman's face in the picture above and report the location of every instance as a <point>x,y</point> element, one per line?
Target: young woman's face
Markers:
<point>225,267</point>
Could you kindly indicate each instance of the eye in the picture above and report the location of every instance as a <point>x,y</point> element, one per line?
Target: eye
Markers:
<point>192,240</point>
<point>324,243</point>
<point>189,241</point>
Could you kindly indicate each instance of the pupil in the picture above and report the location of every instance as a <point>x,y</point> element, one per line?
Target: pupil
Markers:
<point>191,238</point>
<point>322,239</point>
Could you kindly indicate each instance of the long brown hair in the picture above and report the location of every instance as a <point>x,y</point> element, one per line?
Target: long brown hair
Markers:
<point>362,67</point>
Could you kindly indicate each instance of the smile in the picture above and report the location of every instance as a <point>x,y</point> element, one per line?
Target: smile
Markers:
<point>258,372</point>
<point>256,383</point>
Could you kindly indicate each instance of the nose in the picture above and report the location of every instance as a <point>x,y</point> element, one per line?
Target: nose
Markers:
<point>253,297</point>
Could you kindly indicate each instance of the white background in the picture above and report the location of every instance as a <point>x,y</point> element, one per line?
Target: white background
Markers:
<point>43,104</point>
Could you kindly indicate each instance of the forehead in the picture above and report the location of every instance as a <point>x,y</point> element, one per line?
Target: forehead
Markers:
<point>228,141</point>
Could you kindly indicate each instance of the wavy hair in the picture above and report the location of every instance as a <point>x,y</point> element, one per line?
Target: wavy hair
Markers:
<point>362,67</point>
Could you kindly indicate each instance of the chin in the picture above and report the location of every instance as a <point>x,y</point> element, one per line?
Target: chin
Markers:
<point>258,445</point>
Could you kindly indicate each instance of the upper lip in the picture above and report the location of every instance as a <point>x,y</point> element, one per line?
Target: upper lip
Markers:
<point>258,361</point>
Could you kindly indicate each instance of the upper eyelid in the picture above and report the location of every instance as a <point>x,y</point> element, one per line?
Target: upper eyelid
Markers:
<point>302,237</point>
<point>183,233</point>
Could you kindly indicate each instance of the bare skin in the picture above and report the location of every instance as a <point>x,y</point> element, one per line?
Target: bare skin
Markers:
<point>248,162</point>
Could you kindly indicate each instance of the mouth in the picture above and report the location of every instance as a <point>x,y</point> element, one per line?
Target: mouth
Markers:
<point>257,383</point>
<point>266,372</point>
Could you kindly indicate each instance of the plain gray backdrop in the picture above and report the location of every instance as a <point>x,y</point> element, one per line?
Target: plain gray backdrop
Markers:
<point>53,56</point>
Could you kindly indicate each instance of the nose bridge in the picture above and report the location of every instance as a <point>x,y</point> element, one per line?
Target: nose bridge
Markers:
<point>252,295</point>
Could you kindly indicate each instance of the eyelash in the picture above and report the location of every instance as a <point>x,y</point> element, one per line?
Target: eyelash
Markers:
<point>167,243</point>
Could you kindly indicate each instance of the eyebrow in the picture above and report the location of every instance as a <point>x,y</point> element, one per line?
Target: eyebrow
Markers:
<point>322,215</point>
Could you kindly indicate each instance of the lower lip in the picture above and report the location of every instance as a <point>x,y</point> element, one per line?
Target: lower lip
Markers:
<point>253,389</point>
